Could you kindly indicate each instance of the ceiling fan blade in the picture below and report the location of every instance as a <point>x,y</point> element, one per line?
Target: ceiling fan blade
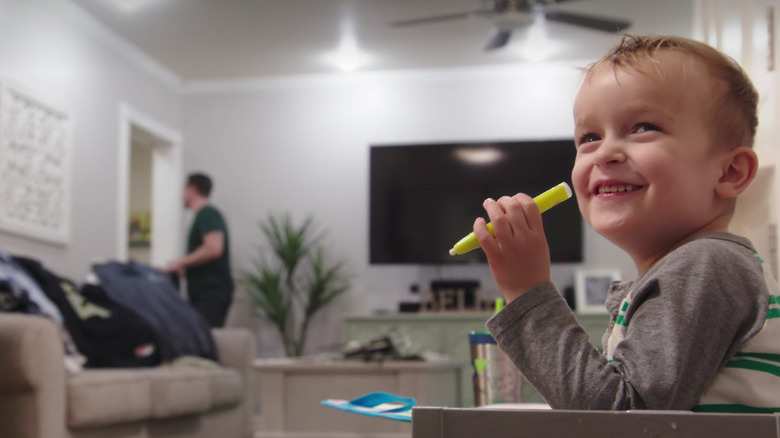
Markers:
<point>429,20</point>
<point>589,21</point>
<point>498,39</point>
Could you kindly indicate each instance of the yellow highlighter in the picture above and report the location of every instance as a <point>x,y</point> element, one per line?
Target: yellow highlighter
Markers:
<point>545,201</point>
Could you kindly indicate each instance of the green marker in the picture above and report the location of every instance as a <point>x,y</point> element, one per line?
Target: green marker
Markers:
<point>499,306</point>
<point>545,201</point>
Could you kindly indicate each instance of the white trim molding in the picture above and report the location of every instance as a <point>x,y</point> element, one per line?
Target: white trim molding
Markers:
<point>167,181</point>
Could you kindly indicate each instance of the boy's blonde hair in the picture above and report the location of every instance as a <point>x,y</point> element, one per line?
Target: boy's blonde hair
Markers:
<point>735,114</point>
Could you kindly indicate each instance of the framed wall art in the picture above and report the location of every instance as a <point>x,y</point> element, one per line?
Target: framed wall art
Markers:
<point>35,156</point>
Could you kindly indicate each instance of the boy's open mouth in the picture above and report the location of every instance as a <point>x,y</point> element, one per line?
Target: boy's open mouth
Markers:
<point>615,188</point>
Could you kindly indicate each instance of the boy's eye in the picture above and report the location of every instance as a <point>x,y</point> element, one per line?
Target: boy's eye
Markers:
<point>587,138</point>
<point>645,127</point>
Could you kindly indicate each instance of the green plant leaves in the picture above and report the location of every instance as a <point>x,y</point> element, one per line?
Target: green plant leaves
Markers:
<point>298,284</point>
<point>326,283</point>
<point>266,293</point>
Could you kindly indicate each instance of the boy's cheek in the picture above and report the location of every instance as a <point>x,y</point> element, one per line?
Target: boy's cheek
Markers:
<point>580,181</point>
<point>582,203</point>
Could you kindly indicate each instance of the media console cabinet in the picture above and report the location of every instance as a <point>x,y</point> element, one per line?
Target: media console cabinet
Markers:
<point>447,333</point>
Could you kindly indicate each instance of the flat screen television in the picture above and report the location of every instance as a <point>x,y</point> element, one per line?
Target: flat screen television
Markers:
<point>425,197</point>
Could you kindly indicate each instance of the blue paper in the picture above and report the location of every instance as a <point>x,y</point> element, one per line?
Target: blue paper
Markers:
<point>377,404</point>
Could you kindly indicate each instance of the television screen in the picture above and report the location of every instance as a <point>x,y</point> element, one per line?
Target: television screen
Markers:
<point>424,198</point>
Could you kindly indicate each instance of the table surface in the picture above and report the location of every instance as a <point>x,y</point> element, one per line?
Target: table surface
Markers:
<point>291,392</point>
<point>291,364</point>
<point>422,316</point>
<point>499,422</point>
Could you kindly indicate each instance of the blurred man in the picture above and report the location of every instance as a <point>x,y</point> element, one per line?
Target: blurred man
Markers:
<point>207,263</point>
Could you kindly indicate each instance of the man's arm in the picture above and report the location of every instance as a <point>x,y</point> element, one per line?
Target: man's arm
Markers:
<point>212,248</point>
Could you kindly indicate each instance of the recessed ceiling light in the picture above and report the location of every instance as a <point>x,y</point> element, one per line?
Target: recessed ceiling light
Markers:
<point>538,45</point>
<point>348,56</point>
<point>133,5</point>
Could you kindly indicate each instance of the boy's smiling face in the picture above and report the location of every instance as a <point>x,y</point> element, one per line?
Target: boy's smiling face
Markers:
<point>647,163</point>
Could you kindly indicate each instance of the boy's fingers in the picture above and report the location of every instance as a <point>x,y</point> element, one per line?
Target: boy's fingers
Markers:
<point>515,213</point>
<point>497,215</point>
<point>485,239</point>
<point>533,217</point>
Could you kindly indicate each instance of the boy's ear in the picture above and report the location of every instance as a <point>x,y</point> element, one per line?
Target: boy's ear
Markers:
<point>738,171</point>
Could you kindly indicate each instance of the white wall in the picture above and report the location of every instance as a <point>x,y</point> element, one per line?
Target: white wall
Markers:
<point>741,29</point>
<point>301,145</point>
<point>57,51</point>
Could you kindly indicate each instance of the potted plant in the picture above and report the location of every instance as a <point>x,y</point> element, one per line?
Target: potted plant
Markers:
<point>296,282</point>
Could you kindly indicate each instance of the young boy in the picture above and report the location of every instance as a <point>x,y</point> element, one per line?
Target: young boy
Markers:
<point>664,130</point>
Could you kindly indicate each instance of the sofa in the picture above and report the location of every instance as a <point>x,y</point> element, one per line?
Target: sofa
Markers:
<point>40,399</point>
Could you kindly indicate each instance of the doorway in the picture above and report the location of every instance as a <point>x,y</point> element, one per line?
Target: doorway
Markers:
<point>139,228</point>
<point>150,181</point>
<point>755,219</point>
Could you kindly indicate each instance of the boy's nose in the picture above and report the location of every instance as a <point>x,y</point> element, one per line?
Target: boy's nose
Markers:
<point>609,153</point>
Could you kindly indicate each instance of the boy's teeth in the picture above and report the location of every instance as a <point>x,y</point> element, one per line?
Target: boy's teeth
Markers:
<point>617,189</point>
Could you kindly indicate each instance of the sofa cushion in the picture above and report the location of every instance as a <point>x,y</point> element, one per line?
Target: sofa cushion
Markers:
<point>179,391</point>
<point>102,397</point>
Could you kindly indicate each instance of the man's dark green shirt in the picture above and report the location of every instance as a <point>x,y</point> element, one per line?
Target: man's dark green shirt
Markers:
<point>212,277</point>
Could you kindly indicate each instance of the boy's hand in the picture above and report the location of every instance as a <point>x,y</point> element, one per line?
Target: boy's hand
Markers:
<point>518,254</point>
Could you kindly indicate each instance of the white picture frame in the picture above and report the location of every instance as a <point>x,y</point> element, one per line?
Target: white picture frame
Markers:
<point>591,288</point>
<point>35,166</point>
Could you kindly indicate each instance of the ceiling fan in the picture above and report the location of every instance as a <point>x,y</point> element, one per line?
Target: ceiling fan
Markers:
<point>508,15</point>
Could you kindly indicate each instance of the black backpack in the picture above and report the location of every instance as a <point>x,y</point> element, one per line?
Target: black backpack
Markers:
<point>107,334</point>
<point>179,328</point>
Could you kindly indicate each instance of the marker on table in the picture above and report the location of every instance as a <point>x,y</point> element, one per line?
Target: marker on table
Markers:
<point>545,201</point>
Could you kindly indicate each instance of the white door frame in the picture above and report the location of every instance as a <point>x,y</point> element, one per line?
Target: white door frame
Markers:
<point>167,183</point>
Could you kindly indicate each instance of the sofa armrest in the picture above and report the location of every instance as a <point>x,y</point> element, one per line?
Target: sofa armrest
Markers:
<point>237,349</point>
<point>32,377</point>
<point>32,355</point>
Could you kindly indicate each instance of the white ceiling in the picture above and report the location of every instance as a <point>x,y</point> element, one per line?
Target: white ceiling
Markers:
<point>201,40</point>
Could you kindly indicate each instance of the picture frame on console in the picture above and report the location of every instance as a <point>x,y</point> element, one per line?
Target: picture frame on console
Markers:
<point>591,288</point>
